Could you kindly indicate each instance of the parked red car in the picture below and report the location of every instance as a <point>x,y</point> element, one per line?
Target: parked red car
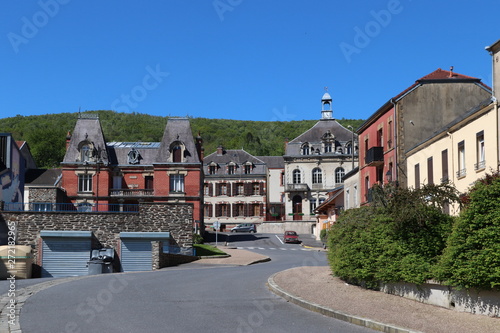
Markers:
<point>291,237</point>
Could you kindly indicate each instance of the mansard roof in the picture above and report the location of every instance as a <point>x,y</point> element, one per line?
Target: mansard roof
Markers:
<point>315,134</point>
<point>119,152</point>
<point>178,130</point>
<point>87,128</point>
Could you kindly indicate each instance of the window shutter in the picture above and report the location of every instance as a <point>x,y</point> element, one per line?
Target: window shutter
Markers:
<point>262,188</point>
<point>228,189</point>
<point>248,189</point>
<point>211,189</point>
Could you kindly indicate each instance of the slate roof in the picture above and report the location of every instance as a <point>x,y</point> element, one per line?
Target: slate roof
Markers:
<point>314,134</point>
<point>273,162</point>
<point>238,156</point>
<point>88,128</point>
<point>178,129</point>
<point>43,177</point>
<point>118,152</point>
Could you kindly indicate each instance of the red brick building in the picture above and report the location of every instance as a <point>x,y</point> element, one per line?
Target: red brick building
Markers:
<point>116,176</point>
<point>407,119</point>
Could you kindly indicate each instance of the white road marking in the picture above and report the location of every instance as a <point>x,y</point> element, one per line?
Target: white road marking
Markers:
<point>279,239</point>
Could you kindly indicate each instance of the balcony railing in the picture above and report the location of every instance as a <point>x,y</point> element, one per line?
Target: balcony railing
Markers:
<point>374,156</point>
<point>131,192</point>
<point>297,187</point>
<point>69,207</point>
<point>480,165</point>
<point>461,173</point>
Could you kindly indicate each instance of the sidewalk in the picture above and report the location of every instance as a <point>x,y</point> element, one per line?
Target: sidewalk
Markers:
<point>314,288</point>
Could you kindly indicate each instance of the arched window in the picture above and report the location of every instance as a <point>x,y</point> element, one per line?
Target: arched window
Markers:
<point>348,148</point>
<point>339,174</point>
<point>328,147</point>
<point>296,176</point>
<point>85,151</point>
<point>177,154</point>
<point>305,149</point>
<point>317,176</point>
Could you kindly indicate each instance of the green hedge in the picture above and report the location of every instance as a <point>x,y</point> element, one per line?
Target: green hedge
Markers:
<point>472,256</point>
<point>399,238</point>
<point>404,236</point>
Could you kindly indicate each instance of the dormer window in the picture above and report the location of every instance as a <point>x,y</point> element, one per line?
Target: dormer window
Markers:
<point>177,151</point>
<point>86,149</point>
<point>248,168</point>
<point>85,153</point>
<point>305,149</point>
<point>212,168</point>
<point>231,168</point>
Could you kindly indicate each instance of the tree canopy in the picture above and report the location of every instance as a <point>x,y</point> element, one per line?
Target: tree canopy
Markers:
<point>46,134</point>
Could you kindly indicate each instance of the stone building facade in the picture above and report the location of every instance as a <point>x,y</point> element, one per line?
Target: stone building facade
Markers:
<point>175,218</point>
<point>315,163</point>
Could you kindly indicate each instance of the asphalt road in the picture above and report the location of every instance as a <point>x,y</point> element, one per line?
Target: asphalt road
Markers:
<point>187,298</point>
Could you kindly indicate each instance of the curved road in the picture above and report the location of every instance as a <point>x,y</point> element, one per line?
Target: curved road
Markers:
<point>188,298</point>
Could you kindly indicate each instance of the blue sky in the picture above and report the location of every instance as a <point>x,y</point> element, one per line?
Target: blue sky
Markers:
<point>233,59</point>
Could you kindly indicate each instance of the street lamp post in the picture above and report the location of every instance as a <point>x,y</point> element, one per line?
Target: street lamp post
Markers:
<point>352,145</point>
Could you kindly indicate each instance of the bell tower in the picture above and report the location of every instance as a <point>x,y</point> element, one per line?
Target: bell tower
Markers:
<point>326,105</point>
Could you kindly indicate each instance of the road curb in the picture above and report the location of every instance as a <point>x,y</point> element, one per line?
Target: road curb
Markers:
<point>365,322</point>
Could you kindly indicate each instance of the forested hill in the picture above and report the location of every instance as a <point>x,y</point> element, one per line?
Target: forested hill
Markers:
<point>46,134</point>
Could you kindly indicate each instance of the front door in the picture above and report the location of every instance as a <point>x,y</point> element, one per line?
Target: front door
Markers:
<point>297,208</point>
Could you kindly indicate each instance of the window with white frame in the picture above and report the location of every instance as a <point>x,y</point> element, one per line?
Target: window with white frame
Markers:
<point>85,183</point>
<point>305,149</point>
<point>176,183</point>
<point>296,176</point>
<point>317,176</point>
<point>462,172</point>
<point>339,174</point>
<point>480,154</point>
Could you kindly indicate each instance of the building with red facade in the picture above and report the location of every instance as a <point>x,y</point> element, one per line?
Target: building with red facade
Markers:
<point>407,119</point>
<point>116,176</point>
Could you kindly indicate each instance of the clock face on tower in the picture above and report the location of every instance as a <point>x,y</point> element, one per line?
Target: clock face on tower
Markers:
<point>327,114</point>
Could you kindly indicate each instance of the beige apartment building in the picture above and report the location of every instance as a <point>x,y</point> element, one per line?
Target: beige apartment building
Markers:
<point>461,152</point>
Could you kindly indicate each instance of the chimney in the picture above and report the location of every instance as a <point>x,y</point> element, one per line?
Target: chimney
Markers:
<point>199,147</point>
<point>451,71</point>
<point>220,150</point>
<point>68,139</point>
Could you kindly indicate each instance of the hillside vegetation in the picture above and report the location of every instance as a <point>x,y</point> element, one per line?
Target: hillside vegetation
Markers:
<point>46,134</point>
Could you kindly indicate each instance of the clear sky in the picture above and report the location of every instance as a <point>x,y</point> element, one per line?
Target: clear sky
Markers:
<point>233,59</point>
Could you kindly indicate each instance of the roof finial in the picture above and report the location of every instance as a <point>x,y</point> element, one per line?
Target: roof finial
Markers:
<point>326,89</point>
<point>451,71</point>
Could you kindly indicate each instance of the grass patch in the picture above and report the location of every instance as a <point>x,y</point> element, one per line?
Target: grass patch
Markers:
<point>207,250</point>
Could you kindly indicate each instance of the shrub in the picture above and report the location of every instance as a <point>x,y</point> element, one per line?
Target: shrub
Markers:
<point>197,239</point>
<point>398,238</point>
<point>472,255</point>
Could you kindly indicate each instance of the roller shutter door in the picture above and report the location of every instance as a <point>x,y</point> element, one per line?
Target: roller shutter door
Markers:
<point>136,249</point>
<point>65,253</point>
<point>136,255</point>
